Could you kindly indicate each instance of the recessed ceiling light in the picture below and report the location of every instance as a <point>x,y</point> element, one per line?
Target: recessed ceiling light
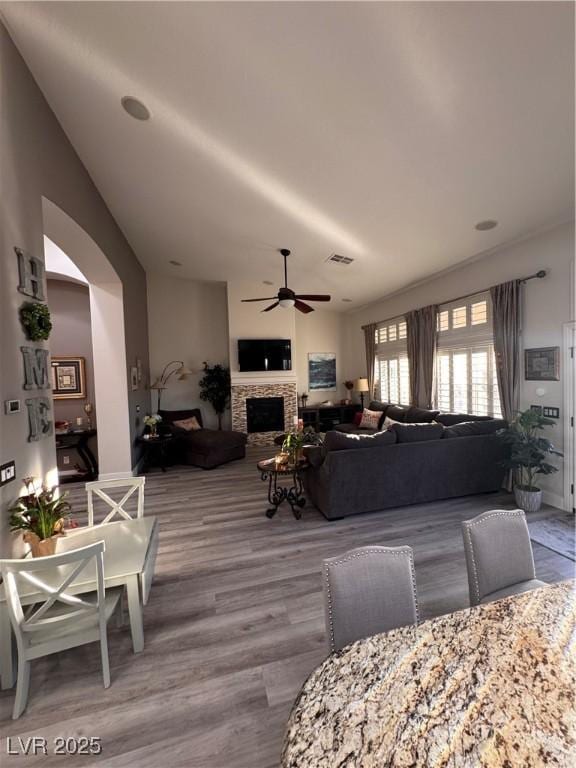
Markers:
<point>346,299</point>
<point>175,263</point>
<point>267,282</point>
<point>135,108</point>
<point>482,226</point>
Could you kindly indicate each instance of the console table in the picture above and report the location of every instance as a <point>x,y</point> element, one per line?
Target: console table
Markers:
<point>325,417</point>
<point>79,442</point>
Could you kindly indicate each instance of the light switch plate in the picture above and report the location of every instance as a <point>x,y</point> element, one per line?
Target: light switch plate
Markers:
<point>7,472</point>
<point>551,413</point>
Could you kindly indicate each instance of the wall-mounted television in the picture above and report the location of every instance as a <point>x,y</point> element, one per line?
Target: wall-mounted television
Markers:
<point>264,355</point>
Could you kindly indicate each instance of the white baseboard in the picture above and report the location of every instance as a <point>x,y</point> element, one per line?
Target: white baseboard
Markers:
<point>553,499</point>
<point>115,475</point>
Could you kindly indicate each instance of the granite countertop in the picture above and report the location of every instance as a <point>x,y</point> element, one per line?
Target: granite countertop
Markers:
<point>493,685</point>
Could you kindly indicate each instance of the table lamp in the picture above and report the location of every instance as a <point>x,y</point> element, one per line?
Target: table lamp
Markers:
<point>361,385</point>
<point>181,371</point>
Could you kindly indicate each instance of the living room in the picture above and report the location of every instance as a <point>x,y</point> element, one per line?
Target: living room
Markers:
<point>356,219</point>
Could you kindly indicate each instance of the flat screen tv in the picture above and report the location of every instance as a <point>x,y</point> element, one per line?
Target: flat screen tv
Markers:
<point>264,355</point>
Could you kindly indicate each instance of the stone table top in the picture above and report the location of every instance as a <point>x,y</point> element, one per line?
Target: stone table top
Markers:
<point>491,686</point>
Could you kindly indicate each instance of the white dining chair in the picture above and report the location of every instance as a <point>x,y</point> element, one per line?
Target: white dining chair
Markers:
<point>57,620</point>
<point>131,485</point>
<point>99,487</point>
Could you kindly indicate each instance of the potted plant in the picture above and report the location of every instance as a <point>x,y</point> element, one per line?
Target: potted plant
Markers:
<point>41,516</point>
<point>349,384</point>
<point>293,444</point>
<point>527,459</point>
<point>215,388</point>
<point>152,421</point>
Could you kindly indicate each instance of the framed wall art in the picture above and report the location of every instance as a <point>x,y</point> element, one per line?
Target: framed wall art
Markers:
<point>321,370</point>
<point>542,364</point>
<point>68,378</point>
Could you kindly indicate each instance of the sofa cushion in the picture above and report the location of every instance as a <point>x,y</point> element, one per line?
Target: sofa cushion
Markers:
<point>370,419</point>
<point>352,429</point>
<point>315,454</point>
<point>420,415</point>
<point>468,428</point>
<point>377,405</point>
<point>338,441</point>
<point>417,433</point>
<point>449,419</point>
<point>398,413</point>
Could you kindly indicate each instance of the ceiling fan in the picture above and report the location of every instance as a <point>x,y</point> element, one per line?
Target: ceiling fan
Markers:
<point>287,298</point>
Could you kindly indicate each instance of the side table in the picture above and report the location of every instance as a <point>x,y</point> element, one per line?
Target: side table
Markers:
<point>284,484</point>
<point>155,451</point>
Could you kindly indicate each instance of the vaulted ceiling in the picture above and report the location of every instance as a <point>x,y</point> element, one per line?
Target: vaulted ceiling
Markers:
<point>379,131</point>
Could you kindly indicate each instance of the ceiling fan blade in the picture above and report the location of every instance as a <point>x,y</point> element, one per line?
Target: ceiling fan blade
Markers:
<point>266,298</point>
<point>271,306</point>
<point>303,307</point>
<point>313,296</point>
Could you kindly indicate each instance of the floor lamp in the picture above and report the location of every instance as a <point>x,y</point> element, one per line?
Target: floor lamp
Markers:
<point>181,371</point>
<point>361,385</point>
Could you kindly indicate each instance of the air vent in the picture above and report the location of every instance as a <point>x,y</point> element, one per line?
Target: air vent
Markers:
<point>343,260</point>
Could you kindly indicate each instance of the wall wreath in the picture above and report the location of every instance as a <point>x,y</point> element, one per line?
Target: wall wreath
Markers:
<point>35,319</point>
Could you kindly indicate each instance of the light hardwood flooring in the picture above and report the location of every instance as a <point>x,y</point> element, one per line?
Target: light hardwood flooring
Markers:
<point>234,624</point>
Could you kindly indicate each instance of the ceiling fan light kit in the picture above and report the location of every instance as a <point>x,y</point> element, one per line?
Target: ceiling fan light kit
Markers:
<point>286,298</point>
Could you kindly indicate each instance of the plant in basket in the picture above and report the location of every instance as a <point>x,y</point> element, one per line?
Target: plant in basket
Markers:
<point>41,516</point>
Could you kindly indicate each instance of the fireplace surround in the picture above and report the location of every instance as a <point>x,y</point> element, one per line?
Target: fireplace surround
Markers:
<point>242,392</point>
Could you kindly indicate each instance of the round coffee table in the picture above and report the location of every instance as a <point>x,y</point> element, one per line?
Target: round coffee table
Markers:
<point>284,484</point>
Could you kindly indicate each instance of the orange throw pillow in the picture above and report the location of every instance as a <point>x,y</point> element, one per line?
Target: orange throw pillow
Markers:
<point>190,425</point>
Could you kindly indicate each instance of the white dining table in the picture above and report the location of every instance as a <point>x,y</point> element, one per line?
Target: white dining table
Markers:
<point>129,559</point>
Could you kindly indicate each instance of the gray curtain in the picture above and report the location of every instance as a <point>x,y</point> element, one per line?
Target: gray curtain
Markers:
<point>506,328</point>
<point>421,342</point>
<point>370,342</point>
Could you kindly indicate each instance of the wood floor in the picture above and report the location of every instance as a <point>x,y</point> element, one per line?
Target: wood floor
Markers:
<point>234,624</point>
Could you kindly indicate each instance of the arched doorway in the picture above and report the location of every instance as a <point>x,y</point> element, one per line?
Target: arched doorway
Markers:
<point>108,338</point>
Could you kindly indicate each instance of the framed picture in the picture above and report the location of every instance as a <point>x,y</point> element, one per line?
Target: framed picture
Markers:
<point>542,364</point>
<point>321,370</point>
<point>68,378</point>
<point>134,377</point>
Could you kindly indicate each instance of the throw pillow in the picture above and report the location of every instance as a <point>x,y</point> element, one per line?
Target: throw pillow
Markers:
<point>388,422</point>
<point>370,419</point>
<point>417,433</point>
<point>338,441</point>
<point>357,418</point>
<point>189,425</point>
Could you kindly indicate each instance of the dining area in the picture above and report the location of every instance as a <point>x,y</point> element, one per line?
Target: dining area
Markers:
<point>99,572</point>
<point>491,685</point>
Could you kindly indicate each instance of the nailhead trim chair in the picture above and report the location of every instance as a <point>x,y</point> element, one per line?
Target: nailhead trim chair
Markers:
<point>367,591</point>
<point>499,555</point>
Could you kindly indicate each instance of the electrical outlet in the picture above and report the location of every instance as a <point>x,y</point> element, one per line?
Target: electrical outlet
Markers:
<point>66,460</point>
<point>7,472</point>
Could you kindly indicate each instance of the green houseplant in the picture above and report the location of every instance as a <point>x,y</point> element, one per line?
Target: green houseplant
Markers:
<point>41,516</point>
<point>215,388</point>
<point>295,441</point>
<point>527,458</point>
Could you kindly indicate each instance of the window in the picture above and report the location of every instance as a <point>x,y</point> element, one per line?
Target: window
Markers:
<point>466,379</point>
<point>392,383</point>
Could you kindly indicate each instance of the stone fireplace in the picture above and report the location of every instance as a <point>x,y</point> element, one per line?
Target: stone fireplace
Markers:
<point>264,410</point>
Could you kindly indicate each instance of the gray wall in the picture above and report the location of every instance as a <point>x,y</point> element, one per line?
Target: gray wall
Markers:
<point>72,337</point>
<point>36,159</point>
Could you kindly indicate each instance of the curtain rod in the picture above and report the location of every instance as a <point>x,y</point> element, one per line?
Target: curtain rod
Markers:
<point>540,274</point>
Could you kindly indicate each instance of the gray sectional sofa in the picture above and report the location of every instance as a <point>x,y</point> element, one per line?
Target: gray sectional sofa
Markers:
<point>426,457</point>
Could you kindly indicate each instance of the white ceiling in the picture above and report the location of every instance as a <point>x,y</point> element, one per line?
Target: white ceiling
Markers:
<point>381,131</point>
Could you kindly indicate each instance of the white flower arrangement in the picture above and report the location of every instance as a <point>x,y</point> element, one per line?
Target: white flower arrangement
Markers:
<point>151,420</point>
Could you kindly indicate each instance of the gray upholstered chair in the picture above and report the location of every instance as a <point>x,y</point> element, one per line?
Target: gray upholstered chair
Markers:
<point>498,555</point>
<point>368,590</point>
